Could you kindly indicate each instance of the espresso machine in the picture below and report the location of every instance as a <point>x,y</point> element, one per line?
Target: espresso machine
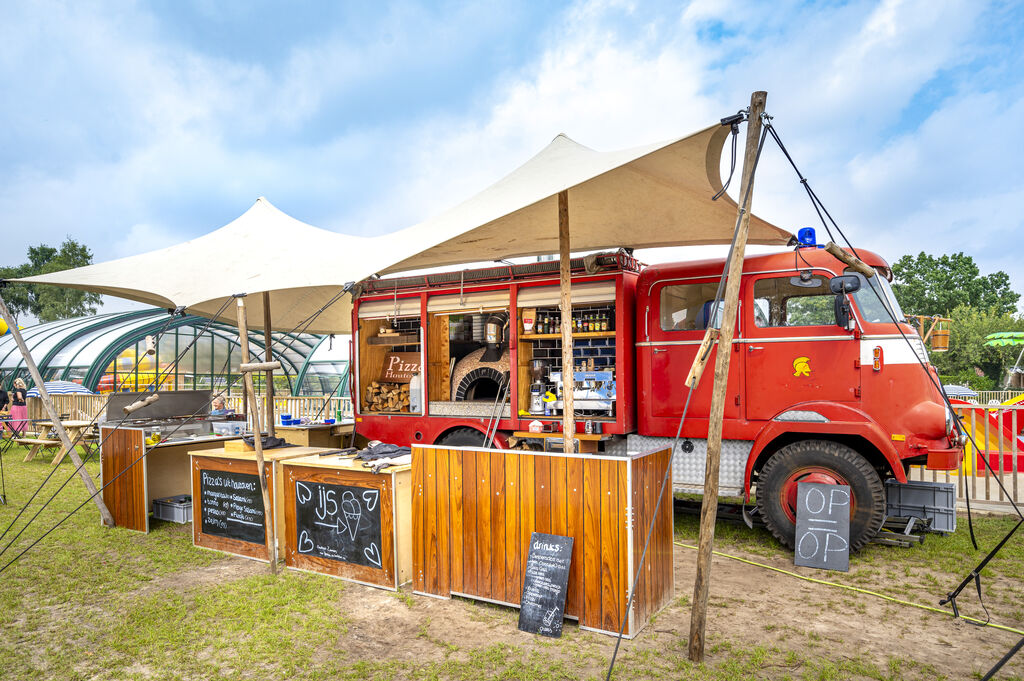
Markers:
<point>538,385</point>
<point>592,391</point>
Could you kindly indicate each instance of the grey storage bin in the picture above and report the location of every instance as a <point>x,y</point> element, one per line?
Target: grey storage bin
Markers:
<point>175,509</point>
<point>919,499</point>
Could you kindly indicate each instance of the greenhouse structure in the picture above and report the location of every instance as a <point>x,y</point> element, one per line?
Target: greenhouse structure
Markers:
<point>107,352</point>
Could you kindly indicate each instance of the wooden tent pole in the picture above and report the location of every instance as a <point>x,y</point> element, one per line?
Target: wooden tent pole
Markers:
<point>268,342</point>
<point>51,411</point>
<point>709,504</point>
<point>565,284</point>
<point>257,437</point>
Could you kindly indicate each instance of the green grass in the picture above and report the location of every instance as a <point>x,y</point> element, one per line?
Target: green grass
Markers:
<point>96,603</point>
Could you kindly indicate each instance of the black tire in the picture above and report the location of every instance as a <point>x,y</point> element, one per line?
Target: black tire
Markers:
<point>463,437</point>
<point>829,459</point>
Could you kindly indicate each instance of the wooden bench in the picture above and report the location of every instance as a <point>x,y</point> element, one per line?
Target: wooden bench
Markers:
<point>36,444</point>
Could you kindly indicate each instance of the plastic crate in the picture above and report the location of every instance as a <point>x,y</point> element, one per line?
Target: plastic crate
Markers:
<point>919,499</point>
<point>175,509</point>
<point>228,427</point>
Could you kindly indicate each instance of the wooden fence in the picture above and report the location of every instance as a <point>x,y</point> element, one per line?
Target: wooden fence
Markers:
<point>997,396</point>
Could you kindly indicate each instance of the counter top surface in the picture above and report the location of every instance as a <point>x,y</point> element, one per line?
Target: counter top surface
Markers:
<point>347,463</point>
<point>276,454</point>
<point>174,442</point>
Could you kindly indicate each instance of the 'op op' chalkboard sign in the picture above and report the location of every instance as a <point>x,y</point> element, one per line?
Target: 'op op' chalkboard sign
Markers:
<point>232,505</point>
<point>822,526</point>
<point>338,522</point>
<point>544,584</point>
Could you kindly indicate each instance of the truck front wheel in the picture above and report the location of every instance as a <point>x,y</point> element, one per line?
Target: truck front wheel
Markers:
<point>823,462</point>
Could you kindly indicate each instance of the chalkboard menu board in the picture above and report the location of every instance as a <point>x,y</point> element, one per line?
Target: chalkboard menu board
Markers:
<point>231,505</point>
<point>544,584</point>
<point>338,522</point>
<point>822,526</point>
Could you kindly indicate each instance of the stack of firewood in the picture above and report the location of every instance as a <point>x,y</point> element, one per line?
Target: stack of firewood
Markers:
<point>387,396</point>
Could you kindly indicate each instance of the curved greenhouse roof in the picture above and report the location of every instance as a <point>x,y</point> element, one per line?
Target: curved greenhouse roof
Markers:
<point>107,352</point>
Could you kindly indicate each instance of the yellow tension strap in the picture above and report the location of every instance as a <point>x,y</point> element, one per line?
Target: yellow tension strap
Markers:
<point>858,590</point>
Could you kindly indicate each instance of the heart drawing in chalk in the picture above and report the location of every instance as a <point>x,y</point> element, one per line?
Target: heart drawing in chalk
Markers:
<point>305,543</point>
<point>372,554</point>
<point>370,497</point>
<point>302,493</point>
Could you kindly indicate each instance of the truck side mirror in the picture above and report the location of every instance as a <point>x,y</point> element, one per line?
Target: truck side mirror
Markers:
<point>842,309</point>
<point>847,283</point>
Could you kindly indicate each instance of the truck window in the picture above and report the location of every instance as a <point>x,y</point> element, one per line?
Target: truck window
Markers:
<point>788,301</point>
<point>686,307</point>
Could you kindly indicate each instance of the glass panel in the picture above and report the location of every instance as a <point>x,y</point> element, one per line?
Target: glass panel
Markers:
<point>687,307</point>
<point>791,301</point>
<point>872,303</point>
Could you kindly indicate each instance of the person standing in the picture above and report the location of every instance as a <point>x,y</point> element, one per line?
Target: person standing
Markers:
<point>4,403</point>
<point>19,407</point>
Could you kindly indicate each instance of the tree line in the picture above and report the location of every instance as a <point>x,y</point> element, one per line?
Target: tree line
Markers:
<point>49,303</point>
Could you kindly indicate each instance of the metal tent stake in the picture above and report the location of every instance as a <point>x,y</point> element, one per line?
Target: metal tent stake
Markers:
<point>257,439</point>
<point>709,504</point>
<point>12,325</point>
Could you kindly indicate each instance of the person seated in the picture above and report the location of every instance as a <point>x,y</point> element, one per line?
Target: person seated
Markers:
<point>220,407</point>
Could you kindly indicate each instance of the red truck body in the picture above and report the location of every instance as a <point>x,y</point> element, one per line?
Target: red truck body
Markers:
<point>803,391</point>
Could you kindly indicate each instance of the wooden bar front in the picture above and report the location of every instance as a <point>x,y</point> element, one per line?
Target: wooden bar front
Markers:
<point>395,500</point>
<point>474,511</point>
<point>242,462</point>
<point>133,474</point>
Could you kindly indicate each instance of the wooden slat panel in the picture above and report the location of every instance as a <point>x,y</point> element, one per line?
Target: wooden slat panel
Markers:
<point>497,499</point>
<point>430,520</point>
<point>527,507</point>
<point>418,529</point>
<point>609,488</point>
<point>125,496</point>
<point>664,556</point>
<point>574,529</point>
<point>470,549</point>
<point>559,521</point>
<point>513,576</point>
<point>483,523</point>
<point>622,581</point>
<point>443,524</point>
<point>592,544</point>
<point>542,493</point>
<point>458,537</point>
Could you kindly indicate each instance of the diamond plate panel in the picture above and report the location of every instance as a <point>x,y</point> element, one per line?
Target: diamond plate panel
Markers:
<point>688,467</point>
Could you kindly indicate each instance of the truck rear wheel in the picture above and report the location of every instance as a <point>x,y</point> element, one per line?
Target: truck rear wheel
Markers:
<point>463,437</point>
<point>823,462</point>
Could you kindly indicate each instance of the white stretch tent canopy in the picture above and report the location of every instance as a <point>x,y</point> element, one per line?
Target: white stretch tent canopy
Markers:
<point>646,197</point>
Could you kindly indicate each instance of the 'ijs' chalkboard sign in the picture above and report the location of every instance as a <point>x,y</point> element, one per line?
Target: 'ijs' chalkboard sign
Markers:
<point>544,584</point>
<point>822,526</point>
<point>338,522</point>
<point>232,505</point>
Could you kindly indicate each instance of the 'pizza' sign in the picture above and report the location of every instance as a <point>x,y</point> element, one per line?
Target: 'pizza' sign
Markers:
<point>400,367</point>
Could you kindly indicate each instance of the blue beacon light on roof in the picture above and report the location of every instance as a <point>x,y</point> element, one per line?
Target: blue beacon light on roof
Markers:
<point>806,237</point>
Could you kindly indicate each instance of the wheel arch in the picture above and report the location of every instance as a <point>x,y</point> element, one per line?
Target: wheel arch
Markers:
<point>500,438</point>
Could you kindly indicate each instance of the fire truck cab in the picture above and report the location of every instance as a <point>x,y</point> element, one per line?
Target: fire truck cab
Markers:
<point>823,385</point>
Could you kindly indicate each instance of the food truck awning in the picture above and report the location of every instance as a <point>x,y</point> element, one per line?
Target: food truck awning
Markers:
<point>645,197</point>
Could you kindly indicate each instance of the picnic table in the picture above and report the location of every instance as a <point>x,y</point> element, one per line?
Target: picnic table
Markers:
<point>77,432</point>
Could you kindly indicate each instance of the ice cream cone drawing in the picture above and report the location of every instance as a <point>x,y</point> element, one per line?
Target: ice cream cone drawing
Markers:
<point>352,510</point>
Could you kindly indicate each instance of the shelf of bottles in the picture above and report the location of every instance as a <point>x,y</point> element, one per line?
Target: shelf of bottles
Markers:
<point>589,322</point>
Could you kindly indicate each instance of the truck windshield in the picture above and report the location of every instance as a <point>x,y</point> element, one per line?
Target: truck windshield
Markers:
<point>870,297</point>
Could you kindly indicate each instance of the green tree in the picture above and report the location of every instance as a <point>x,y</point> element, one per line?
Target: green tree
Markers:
<point>49,303</point>
<point>968,354</point>
<point>926,285</point>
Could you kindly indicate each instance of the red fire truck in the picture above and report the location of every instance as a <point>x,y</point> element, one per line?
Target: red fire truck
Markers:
<point>823,386</point>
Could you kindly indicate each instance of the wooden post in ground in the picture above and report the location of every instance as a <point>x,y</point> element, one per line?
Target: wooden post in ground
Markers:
<point>12,325</point>
<point>709,505</point>
<point>268,342</point>
<point>568,370</point>
<point>257,433</point>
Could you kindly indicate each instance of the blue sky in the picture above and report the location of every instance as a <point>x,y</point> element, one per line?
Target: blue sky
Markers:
<point>132,126</point>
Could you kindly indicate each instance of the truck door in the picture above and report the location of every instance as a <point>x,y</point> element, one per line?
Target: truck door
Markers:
<point>676,319</point>
<point>794,352</point>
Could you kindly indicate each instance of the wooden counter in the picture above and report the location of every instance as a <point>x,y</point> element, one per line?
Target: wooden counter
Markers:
<point>474,511</point>
<point>317,434</point>
<point>342,519</point>
<point>229,480</point>
<point>134,474</point>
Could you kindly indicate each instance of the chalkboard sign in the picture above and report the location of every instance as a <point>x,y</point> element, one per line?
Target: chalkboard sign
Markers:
<point>823,526</point>
<point>338,522</point>
<point>544,584</point>
<point>231,505</point>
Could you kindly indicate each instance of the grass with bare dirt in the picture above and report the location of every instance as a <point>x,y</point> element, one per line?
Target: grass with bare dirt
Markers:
<point>93,603</point>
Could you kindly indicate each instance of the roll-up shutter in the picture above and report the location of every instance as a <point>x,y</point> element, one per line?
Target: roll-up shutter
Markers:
<point>470,302</point>
<point>405,307</point>
<point>588,292</point>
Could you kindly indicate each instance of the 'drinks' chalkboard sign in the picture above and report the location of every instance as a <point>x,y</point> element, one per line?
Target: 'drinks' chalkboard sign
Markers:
<point>231,505</point>
<point>544,584</point>
<point>822,526</point>
<point>338,522</point>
